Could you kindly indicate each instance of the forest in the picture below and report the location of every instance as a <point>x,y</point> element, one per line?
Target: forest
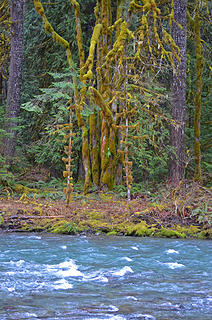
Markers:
<point>105,117</point>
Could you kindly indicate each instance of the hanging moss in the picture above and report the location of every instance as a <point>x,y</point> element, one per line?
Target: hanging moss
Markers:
<point>110,55</point>
<point>119,43</point>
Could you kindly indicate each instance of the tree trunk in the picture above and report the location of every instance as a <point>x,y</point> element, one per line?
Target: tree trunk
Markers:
<point>15,76</point>
<point>178,102</point>
<point>197,113</point>
<point>3,90</point>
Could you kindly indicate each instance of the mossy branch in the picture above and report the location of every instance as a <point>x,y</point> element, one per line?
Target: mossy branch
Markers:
<point>76,6</point>
<point>89,62</point>
<point>101,104</point>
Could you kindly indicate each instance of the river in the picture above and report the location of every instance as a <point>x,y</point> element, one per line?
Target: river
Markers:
<point>44,276</point>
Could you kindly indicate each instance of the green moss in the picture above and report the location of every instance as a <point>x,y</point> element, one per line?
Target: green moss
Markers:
<point>94,149</point>
<point>106,196</point>
<point>205,234</point>
<point>95,215</point>
<point>95,36</point>
<point>19,188</point>
<point>48,27</point>
<point>107,179</point>
<point>112,233</point>
<point>36,225</point>
<point>102,105</point>
<point>86,161</point>
<point>96,226</point>
<point>1,220</point>
<point>168,233</point>
<point>39,7</point>
<point>141,230</point>
<point>191,231</point>
<point>64,227</point>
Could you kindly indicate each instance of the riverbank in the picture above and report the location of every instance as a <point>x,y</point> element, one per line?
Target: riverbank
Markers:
<point>173,215</point>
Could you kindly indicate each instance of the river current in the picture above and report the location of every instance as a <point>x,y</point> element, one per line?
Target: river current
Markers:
<point>59,277</point>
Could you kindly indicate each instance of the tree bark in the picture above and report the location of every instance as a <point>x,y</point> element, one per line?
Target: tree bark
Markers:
<point>198,98</point>
<point>178,101</point>
<point>15,77</point>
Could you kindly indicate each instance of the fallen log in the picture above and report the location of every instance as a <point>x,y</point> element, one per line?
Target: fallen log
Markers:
<point>35,217</point>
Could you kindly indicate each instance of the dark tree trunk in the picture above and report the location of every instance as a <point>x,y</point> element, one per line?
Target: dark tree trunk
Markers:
<point>3,89</point>
<point>178,102</point>
<point>15,76</point>
<point>198,98</point>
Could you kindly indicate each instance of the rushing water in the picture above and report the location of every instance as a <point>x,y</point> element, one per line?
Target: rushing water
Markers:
<point>67,277</point>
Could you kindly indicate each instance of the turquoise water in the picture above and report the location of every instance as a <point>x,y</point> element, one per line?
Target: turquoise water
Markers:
<point>77,277</point>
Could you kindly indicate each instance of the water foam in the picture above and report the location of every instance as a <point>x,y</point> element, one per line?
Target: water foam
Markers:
<point>34,237</point>
<point>17,263</point>
<point>146,317</point>
<point>63,284</point>
<point>172,251</point>
<point>174,265</point>
<point>95,277</point>
<point>123,271</point>
<point>110,318</point>
<point>131,298</point>
<point>127,259</point>
<point>69,269</point>
<point>10,273</point>
<point>134,248</point>
<point>113,308</point>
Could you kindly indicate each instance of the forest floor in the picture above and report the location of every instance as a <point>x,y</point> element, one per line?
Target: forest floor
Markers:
<point>183,212</point>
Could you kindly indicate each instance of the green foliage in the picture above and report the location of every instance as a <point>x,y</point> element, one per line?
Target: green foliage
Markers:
<point>48,113</point>
<point>41,53</point>
<point>149,142</point>
<point>41,137</point>
<point>203,214</point>
<point>6,177</point>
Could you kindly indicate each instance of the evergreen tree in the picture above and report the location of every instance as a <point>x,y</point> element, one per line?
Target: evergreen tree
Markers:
<point>15,76</point>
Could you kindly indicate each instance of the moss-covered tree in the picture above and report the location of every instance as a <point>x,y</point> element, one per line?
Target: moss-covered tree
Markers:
<point>178,100</point>
<point>129,42</point>
<point>199,84</point>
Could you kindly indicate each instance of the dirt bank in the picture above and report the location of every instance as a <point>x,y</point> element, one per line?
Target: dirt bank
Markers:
<point>103,213</point>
